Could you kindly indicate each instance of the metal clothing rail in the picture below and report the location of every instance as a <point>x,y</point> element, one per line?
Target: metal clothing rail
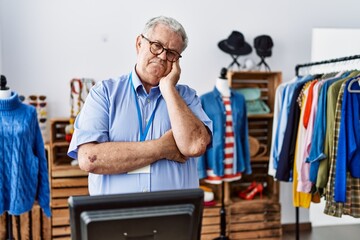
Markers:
<point>342,59</point>
<point>310,64</point>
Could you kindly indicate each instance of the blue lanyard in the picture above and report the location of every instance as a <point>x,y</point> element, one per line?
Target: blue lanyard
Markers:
<point>143,134</point>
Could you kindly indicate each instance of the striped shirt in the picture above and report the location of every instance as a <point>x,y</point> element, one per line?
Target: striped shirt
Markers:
<point>229,169</point>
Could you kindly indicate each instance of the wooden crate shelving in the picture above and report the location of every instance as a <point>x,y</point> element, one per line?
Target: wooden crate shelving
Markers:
<point>257,218</point>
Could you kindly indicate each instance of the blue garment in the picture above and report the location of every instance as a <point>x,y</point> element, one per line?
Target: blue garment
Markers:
<point>23,164</point>
<point>279,101</point>
<point>110,115</point>
<point>214,156</point>
<point>348,152</point>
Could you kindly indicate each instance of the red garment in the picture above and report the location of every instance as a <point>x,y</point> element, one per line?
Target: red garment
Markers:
<point>308,103</point>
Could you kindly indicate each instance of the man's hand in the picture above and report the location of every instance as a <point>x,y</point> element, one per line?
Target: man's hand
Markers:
<point>171,79</point>
<point>169,148</point>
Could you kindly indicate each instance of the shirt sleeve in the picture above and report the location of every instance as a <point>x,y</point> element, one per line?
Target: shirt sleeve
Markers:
<point>92,123</point>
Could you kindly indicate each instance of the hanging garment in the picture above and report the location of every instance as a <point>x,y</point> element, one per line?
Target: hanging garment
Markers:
<point>300,198</point>
<point>316,153</point>
<point>332,96</point>
<point>278,105</point>
<point>352,206</point>
<point>23,166</point>
<point>287,150</point>
<point>348,156</point>
<point>303,167</point>
<point>283,120</point>
<point>213,158</point>
<point>310,129</point>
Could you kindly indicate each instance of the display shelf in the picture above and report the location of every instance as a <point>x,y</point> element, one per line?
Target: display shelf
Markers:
<point>258,218</point>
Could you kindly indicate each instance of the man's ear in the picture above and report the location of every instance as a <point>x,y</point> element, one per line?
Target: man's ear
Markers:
<point>138,43</point>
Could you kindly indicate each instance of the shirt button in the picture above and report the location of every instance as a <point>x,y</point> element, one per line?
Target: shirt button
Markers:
<point>148,100</point>
<point>145,190</point>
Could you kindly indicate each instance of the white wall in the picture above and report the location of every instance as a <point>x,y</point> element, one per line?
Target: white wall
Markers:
<point>48,42</point>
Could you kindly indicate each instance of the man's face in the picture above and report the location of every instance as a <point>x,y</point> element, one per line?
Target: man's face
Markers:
<point>151,68</point>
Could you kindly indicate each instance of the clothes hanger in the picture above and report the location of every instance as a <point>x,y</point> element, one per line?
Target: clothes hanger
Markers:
<point>356,79</point>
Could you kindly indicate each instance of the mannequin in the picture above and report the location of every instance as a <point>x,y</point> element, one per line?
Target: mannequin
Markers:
<point>5,92</point>
<point>21,135</point>
<point>229,155</point>
<point>222,84</point>
<point>229,175</point>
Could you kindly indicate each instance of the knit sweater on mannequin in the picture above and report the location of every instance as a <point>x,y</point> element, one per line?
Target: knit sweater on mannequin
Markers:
<point>23,164</point>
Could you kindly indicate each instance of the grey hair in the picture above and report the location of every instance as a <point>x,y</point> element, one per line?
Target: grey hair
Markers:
<point>173,24</point>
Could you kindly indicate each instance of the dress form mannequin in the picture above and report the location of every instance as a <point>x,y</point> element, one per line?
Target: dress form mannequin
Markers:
<point>20,134</point>
<point>222,84</point>
<point>5,92</point>
<point>220,166</point>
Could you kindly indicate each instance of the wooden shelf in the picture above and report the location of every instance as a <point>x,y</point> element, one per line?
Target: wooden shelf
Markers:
<point>60,144</point>
<point>261,116</point>
<point>260,159</point>
<point>69,171</point>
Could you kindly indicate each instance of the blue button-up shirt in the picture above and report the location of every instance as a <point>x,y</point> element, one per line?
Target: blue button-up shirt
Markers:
<point>110,115</point>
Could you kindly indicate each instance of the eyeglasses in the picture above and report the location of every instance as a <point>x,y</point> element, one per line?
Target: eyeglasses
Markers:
<point>157,48</point>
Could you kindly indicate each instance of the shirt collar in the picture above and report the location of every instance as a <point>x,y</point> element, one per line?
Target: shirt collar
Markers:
<point>135,80</point>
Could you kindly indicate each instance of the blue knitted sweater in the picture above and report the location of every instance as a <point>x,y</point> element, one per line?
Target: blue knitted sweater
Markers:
<point>23,163</point>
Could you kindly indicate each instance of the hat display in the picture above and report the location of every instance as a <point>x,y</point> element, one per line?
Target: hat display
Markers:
<point>263,45</point>
<point>235,44</point>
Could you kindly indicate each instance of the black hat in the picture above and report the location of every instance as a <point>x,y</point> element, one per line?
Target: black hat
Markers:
<point>235,44</point>
<point>263,45</point>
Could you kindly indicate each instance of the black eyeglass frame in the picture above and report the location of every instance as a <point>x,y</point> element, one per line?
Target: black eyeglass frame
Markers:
<point>177,55</point>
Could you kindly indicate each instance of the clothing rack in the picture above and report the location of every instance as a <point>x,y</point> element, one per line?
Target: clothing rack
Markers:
<point>335,60</point>
<point>306,65</point>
